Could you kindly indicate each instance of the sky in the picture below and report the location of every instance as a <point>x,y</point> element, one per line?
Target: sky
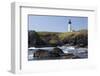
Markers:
<point>56,23</point>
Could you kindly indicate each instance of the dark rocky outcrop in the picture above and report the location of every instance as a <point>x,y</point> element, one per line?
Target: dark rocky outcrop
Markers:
<point>56,52</point>
<point>45,54</point>
<point>41,54</point>
<point>35,40</point>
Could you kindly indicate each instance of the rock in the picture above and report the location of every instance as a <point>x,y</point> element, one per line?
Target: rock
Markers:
<point>67,56</point>
<point>56,52</point>
<point>41,54</point>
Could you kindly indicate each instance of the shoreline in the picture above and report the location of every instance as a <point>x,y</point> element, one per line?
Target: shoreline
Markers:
<point>78,52</point>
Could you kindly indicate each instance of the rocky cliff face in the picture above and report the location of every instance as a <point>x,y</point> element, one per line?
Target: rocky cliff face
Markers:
<point>34,39</point>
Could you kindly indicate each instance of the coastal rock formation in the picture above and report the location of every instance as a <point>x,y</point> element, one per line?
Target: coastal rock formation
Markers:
<point>56,52</point>
<point>41,54</point>
<point>67,56</point>
<point>54,39</point>
<point>45,54</point>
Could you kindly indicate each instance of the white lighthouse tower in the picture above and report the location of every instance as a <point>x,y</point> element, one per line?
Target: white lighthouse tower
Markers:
<point>69,26</point>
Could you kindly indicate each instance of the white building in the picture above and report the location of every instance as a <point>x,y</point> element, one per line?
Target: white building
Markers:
<point>69,26</point>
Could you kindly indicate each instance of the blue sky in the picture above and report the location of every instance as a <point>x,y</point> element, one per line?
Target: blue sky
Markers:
<point>56,23</point>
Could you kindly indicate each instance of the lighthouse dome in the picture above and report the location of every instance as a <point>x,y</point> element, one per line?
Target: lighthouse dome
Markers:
<point>69,22</point>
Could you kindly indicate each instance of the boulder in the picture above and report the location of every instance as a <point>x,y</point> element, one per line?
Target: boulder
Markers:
<point>56,52</point>
<point>41,54</point>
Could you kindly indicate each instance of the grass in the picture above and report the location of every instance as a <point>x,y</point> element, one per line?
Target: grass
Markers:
<point>56,38</point>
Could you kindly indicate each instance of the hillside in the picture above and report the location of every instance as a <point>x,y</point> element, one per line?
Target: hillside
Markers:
<point>44,39</point>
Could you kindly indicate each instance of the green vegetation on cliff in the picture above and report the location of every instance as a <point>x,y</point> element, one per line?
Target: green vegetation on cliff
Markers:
<point>42,39</point>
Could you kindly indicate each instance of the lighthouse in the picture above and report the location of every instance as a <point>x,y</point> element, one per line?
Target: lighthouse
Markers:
<point>69,26</point>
